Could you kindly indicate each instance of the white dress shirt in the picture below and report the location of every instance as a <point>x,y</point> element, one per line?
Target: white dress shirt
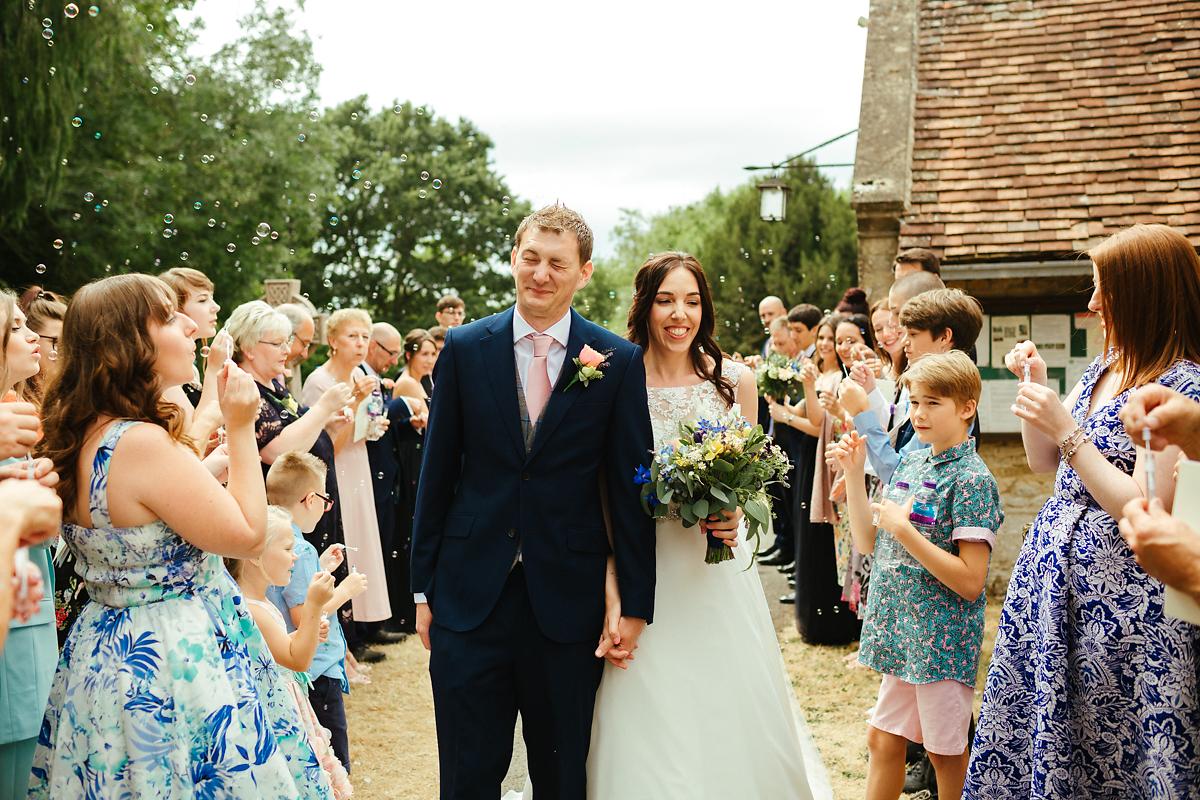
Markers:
<point>523,346</point>
<point>523,349</point>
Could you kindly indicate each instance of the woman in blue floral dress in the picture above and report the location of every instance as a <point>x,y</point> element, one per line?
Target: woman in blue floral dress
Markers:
<point>1092,690</point>
<point>158,692</point>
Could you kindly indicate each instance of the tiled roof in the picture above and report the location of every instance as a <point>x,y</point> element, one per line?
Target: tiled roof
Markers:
<point>1043,125</point>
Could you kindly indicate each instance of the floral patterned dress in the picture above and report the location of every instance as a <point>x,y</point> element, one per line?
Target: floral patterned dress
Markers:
<point>159,691</point>
<point>1092,691</point>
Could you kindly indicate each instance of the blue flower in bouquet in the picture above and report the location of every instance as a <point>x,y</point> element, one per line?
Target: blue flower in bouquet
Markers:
<point>641,476</point>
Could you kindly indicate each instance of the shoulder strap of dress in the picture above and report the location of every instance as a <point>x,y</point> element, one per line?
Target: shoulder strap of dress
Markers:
<point>98,485</point>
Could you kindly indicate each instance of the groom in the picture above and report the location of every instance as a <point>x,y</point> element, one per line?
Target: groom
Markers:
<point>509,543</point>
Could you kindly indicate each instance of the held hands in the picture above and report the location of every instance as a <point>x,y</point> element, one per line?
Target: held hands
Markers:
<point>1039,405</point>
<point>622,641</point>
<point>1171,417</point>
<point>891,515</point>
<point>320,591</point>
<point>1024,352</point>
<point>1164,546</point>
<point>239,397</point>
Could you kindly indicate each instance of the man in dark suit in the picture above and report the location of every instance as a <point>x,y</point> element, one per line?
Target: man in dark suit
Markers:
<point>509,541</point>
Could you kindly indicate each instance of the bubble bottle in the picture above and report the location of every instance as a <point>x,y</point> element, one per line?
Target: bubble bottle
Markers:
<point>375,410</point>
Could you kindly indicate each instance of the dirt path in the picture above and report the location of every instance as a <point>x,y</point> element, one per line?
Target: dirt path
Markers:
<point>394,746</point>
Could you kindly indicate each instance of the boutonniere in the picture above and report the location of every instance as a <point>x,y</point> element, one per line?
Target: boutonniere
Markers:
<point>589,366</point>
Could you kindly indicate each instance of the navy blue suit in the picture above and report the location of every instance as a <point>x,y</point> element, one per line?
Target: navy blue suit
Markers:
<point>510,637</point>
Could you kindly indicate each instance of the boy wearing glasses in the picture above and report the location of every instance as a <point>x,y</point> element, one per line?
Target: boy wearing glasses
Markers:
<point>295,483</point>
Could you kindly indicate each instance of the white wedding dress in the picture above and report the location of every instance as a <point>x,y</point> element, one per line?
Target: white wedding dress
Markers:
<point>705,710</point>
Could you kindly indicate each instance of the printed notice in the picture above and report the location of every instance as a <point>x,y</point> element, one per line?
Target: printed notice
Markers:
<point>1052,335</point>
<point>1006,332</point>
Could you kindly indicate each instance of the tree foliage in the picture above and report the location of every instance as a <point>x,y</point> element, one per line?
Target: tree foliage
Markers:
<point>232,167</point>
<point>807,258</point>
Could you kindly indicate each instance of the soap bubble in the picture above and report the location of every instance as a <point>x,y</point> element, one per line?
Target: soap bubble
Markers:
<point>424,175</point>
<point>328,283</point>
<point>40,269</point>
<point>104,203</point>
<point>167,233</point>
<point>274,235</point>
<point>71,11</point>
<point>153,90</point>
<point>189,79</point>
<point>263,229</point>
<point>212,223</point>
<point>96,135</point>
<point>183,256</point>
<point>76,122</point>
<point>314,115</point>
<point>333,221</point>
<point>312,198</point>
<point>204,117</point>
<point>354,116</point>
<point>76,216</point>
<point>437,183</point>
<point>301,138</point>
<point>88,197</point>
<point>420,111</point>
<point>231,247</point>
<point>93,10</point>
<point>149,27</point>
<point>197,205</point>
<point>278,84</point>
<point>356,174</point>
<point>398,109</point>
<point>168,218</point>
<point>422,194</point>
<point>403,157</point>
<point>58,243</point>
<point>504,200</point>
<point>254,240</point>
<point>47,33</point>
<point>504,211</point>
<point>47,22</point>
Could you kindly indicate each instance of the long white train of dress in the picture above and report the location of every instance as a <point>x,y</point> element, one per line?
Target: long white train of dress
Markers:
<point>705,710</point>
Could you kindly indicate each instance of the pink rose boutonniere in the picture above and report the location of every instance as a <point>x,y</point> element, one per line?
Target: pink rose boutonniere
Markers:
<point>589,366</point>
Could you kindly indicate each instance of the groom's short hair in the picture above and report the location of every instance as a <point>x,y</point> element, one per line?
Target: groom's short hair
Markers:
<point>559,218</point>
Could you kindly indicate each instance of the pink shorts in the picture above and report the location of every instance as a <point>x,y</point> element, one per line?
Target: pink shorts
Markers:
<point>937,714</point>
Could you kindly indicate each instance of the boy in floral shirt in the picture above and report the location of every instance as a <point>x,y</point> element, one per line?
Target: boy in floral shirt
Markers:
<point>924,624</point>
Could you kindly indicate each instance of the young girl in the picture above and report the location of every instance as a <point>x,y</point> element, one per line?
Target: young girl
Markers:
<point>291,651</point>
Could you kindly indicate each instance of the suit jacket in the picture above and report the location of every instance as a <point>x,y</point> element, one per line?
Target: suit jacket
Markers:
<point>384,456</point>
<point>483,495</point>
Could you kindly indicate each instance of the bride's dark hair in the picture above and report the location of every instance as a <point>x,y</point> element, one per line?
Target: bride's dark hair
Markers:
<point>706,356</point>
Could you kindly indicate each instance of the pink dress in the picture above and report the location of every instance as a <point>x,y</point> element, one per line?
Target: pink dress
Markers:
<point>360,525</point>
<point>318,737</point>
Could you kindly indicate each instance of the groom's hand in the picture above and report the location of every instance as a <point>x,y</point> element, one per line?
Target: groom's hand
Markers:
<point>629,630</point>
<point>723,525</point>
<point>424,620</point>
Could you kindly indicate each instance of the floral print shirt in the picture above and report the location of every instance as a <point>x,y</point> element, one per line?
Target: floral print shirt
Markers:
<point>916,627</point>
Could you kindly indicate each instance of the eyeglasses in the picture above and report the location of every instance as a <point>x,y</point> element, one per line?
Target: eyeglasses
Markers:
<point>391,353</point>
<point>327,500</point>
<point>286,344</point>
<point>53,340</point>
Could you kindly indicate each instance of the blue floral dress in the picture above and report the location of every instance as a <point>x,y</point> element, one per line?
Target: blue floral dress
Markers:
<point>1092,691</point>
<point>160,690</point>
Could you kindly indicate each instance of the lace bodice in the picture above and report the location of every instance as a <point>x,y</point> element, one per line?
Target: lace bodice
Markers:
<point>671,405</point>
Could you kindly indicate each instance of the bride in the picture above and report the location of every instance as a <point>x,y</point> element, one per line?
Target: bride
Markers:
<point>705,708</point>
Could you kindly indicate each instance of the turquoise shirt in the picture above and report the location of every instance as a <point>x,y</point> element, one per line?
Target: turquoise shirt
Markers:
<point>917,628</point>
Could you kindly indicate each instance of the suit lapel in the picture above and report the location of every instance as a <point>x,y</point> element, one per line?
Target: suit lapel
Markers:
<point>561,400</point>
<point>501,363</point>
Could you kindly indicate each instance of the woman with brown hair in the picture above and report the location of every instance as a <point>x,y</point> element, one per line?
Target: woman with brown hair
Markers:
<point>44,311</point>
<point>156,692</point>
<point>1092,689</point>
<point>654,726</point>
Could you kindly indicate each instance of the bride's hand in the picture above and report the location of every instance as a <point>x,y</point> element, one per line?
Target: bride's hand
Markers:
<point>723,525</point>
<point>610,638</point>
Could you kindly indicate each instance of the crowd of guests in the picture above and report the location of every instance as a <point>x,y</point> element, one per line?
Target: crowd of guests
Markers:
<point>1091,690</point>
<point>215,549</point>
<point>237,599</point>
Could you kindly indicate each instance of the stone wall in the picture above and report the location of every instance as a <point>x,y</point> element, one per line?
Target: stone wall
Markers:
<point>1022,494</point>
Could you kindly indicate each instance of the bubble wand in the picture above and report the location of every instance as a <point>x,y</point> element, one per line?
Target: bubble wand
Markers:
<point>1151,477</point>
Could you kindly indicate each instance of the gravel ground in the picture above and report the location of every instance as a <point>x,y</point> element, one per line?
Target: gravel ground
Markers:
<point>394,746</point>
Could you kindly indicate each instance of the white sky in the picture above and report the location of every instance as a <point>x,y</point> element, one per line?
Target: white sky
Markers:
<point>603,106</point>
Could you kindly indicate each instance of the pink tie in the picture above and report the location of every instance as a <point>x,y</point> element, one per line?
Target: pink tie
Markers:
<point>537,389</point>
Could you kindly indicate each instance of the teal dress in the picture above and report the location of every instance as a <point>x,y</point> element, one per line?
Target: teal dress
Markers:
<point>160,690</point>
<point>26,668</point>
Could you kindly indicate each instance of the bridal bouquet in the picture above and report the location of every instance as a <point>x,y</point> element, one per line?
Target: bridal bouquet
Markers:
<point>715,465</point>
<point>778,377</point>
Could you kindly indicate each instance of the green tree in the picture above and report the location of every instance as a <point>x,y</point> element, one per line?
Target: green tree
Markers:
<point>417,211</point>
<point>808,258</point>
